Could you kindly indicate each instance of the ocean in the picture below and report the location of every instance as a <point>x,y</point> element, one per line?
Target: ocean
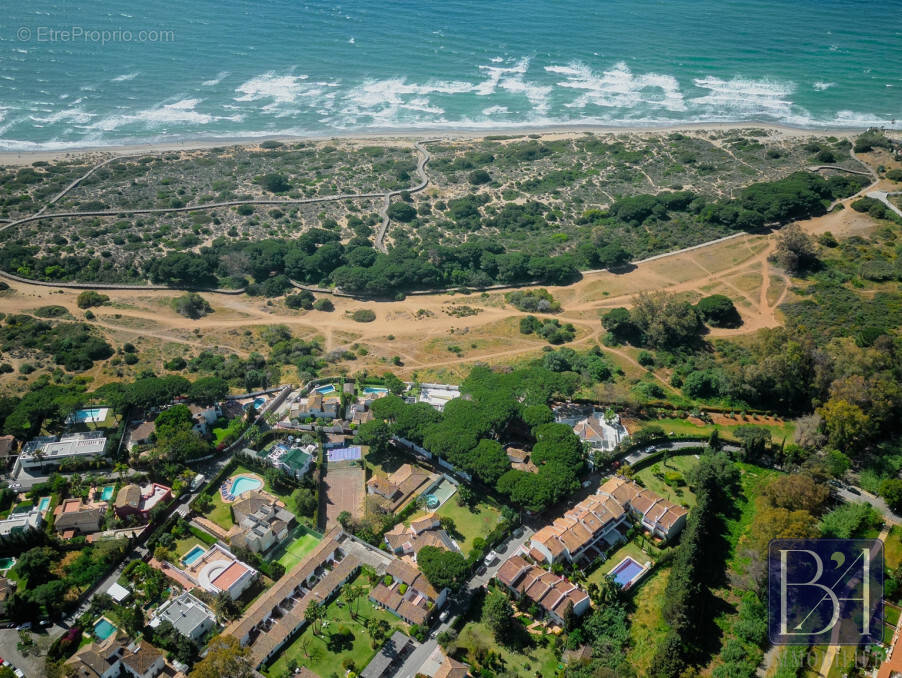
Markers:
<point>75,73</point>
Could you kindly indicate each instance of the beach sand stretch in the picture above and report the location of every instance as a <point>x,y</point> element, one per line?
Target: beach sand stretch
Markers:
<point>376,137</point>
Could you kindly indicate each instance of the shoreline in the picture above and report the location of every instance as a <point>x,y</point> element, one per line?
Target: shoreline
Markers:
<point>193,144</point>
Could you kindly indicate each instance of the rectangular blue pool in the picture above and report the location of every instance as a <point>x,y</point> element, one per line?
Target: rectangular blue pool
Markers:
<point>375,389</point>
<point>107,493</point>
<point>323,390</point>
<point>626,572</point>
<point>44,504</point>
<point>193,555</point>
<point>103,629</point>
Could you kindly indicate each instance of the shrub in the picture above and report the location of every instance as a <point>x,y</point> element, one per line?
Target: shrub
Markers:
<point>479,177</point>
<point>363,315</point>
<point>275,183</point>
<point>303,299</point>
<point>718,310</point>
<point>191,305</point>
<point>90,298</point>
<point>894,175</point>
<point>323,304</point>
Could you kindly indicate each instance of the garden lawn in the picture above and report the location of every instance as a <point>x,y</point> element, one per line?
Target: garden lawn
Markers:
<point>653,477</point>
<point>470,523</point>
<point>182,546</point>
<point>296,550</point>
<point>538,660</point>
<point>221,513</point>
<point>314,651</point>
<point>648,626</point>
<point>682,427</point>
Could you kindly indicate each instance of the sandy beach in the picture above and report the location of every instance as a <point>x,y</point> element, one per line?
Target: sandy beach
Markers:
<point>12,158</point>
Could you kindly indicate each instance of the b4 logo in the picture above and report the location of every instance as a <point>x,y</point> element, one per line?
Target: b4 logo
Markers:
<point>825,591</point>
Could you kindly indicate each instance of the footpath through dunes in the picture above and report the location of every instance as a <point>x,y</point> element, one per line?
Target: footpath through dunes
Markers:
<point>422,159</point>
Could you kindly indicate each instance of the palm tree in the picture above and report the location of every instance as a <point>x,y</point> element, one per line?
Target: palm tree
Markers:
<point>314,613</point>
<point>349,595</point>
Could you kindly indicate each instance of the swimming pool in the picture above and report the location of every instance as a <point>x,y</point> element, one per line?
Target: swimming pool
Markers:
<point>44,504</point>
<point>626,572</point>
<point>193,555</point>
<point>243,484</point>
<point>375,389</point>
<point>6,563</point>
<point>107,492</point>
<point>257,404</point>
<point>103,629</point>
<point>90,415</point>
<point>328,388</point>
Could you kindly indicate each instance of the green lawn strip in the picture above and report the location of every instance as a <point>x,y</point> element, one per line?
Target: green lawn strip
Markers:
<point>678,495</point>
<point>182,546</point>
<point>296,550</point>
<point>476,638</point>
<point>892,548</point>
<point>221,513</point>
<point>205,537</point>
<point>648,626</point>
<point>683,427</point>
<point>891,614</point>
<point>314,651</point>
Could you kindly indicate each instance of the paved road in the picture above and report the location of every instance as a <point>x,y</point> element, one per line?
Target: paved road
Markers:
<point>883,197</point>
<point>645,452</point>
<point>857,495</point>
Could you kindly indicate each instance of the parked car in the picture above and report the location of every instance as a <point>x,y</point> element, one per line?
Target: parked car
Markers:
<point>443,617</point>
<point>24,627</point>
<point>518,533</point>
<point>491,558</point>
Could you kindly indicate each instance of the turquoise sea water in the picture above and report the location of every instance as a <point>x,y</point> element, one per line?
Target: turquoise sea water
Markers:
<point>136,71</point>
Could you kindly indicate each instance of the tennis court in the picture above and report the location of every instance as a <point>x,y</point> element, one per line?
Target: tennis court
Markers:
<point>341,490</point>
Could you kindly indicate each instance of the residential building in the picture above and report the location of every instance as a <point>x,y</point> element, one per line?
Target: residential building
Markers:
<point>425,531</point>
<point>295,461</point>
<point>409,596</point>
<point>603,431</point>
<point>261,521</point>
<point>599,522</point>
<point>188,615</point>
<point>451,668</point>
<point>556,595</point>
<point>75,516</point>
<point>47,452</point>
<point>662,518</point>
<point>316,406</point>
<point>114,658</point>
<point>218,570</point>
<point>359,413</point>
<point>277,615</point>
<point>132,500</point>
<point>141,434</point>
<point>204,417</point>
<point>586,530</point>
<point>389,659</point>
<point>402,485</point>
<point>19,522</point>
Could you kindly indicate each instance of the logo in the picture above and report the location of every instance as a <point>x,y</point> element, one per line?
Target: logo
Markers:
<point>825,591</point>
